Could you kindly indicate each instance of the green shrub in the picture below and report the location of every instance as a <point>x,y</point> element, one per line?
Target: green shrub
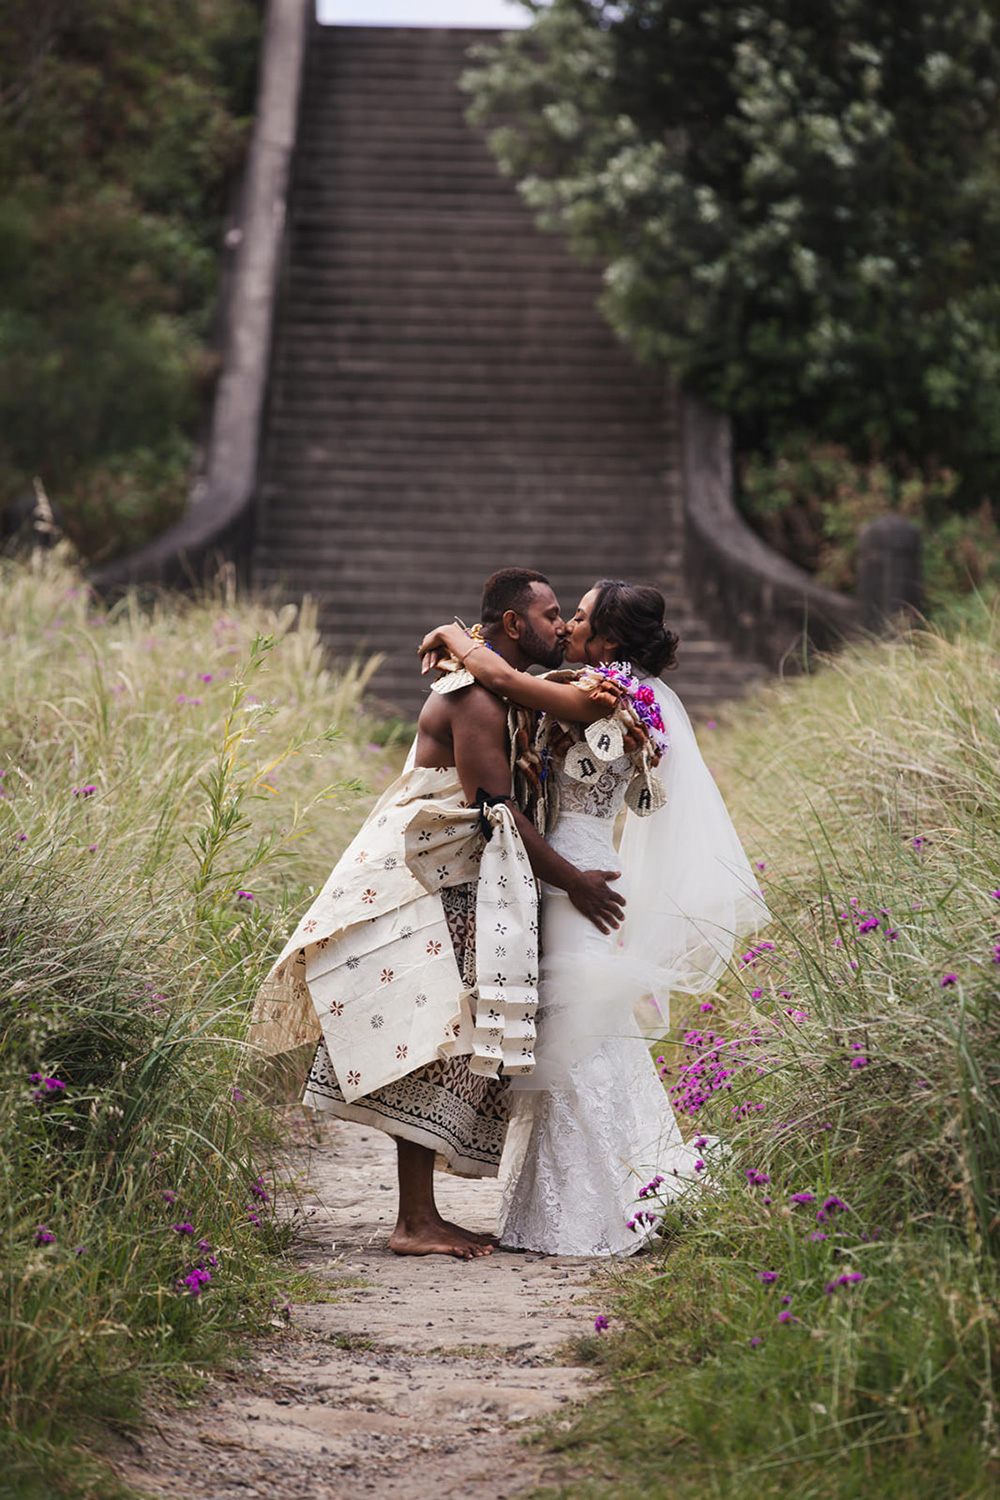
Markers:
<point>810,501</point>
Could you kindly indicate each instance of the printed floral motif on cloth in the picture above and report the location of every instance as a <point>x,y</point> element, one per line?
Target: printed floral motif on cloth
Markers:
<point>443,1105</point>
<point>372,960</point>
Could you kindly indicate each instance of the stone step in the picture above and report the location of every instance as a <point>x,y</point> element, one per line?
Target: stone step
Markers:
<point>444,396</point>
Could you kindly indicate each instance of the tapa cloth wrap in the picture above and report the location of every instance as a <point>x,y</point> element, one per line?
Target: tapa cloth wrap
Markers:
<point>370,967</point>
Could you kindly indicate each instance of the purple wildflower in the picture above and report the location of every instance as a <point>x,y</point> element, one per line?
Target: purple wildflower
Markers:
<point>948,979</point>
<point>803,1198</point>
<point>184,1228</point>
<point>831,1205</point>
<point>859,1062</point>
<point>244,896</point>
<point>44,1236</point>
<point>818,1235</point>
<point>849,1278</point>
<point>600,1323</point>
<point>259,1191</point>
<point>767,1277</point>
<point>755,1341</point>
<point>168,1196</point>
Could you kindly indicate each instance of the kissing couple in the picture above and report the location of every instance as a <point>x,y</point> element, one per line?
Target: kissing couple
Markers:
<point>480,973</point>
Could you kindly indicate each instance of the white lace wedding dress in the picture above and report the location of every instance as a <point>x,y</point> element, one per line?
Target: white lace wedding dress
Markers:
<point>579,1152</point>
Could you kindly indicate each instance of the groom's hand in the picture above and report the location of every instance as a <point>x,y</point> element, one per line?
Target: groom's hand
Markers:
<point>591,895</point>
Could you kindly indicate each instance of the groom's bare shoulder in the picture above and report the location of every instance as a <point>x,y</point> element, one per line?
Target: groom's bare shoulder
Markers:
<point>476,706</point>
<point>469,714</point>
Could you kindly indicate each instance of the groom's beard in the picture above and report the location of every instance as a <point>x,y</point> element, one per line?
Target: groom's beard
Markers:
<point>536,650</point>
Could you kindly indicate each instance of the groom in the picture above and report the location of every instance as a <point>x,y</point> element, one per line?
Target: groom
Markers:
<point>443,1107</point>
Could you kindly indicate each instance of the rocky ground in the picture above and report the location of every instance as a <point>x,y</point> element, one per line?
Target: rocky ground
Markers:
<point>419,1377</point>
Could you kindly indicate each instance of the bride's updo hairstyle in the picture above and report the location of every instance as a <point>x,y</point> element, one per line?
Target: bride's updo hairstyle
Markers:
<point>632,615</point>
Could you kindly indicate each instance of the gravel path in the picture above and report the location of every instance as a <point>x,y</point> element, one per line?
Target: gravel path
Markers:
<point>414,1381</point>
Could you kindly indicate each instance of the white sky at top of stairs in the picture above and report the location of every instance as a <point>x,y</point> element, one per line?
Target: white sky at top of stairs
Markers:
<point>493,13</point>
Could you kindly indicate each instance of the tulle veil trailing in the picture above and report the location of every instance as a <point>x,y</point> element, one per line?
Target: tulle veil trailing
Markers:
<point>691,897</point>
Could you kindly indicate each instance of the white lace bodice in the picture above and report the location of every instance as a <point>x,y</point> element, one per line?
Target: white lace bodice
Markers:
<point>602,798</point>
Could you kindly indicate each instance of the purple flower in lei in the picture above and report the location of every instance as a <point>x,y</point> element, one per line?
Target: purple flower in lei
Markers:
<point>641,700</point>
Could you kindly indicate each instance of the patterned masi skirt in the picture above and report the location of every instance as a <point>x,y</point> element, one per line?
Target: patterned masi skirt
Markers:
<point>442,1105</point>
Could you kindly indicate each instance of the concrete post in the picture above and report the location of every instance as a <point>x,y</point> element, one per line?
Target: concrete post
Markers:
<point>890,578</point>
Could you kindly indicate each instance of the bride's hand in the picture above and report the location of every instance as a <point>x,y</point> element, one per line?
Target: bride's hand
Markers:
<point>445,640</point>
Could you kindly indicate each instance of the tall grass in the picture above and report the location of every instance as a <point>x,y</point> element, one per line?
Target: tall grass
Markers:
<point>158,769</point>
<point>826,1322</point>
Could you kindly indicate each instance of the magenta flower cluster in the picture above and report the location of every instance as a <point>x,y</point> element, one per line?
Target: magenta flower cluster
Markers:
<point>748,960</point>
<point>198,1275</point>
<point>642,700</point>
<point>849,1278</point>
<point>46,1088</point>
<point>714,1066</point>
<point>865,921</point>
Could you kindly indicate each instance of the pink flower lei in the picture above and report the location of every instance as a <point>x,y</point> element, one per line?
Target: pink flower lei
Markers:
<point>641,698</point>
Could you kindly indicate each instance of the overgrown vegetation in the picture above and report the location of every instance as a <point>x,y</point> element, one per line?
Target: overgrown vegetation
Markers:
<point>797,209</point>
<point>122,127</point>
<point>158,769</point>
<point>826,1322</point>
<point>811,500</point>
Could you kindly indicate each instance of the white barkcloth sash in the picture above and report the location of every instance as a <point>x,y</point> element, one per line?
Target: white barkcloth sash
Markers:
<point>371,967</point>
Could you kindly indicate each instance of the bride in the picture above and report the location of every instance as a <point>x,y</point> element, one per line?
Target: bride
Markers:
<point>592,1125</point>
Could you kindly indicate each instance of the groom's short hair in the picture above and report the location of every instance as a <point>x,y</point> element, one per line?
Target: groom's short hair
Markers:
<point>507,588</point>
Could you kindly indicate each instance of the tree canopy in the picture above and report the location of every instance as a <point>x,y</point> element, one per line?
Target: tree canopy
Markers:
<point>122,124</point>
<point>797,206</point>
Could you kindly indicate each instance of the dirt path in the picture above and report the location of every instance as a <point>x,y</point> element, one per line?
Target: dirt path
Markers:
<point>415,1381</point>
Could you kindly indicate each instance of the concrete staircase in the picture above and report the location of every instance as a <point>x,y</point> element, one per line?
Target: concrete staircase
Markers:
<point>444,398</point>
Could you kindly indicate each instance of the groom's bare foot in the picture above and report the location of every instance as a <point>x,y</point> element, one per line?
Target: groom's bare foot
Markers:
<point>474,1238</point>
<point>438,1238</point>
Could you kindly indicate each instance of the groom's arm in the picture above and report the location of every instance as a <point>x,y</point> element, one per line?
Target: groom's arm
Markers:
<point>482,759</point>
